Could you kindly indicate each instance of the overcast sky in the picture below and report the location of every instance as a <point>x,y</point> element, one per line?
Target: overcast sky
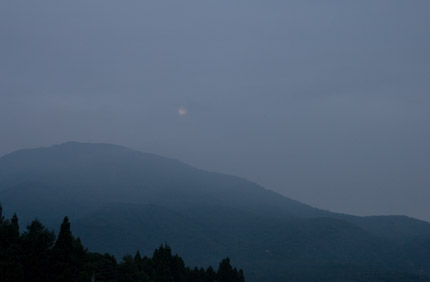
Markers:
<point>326,102</point>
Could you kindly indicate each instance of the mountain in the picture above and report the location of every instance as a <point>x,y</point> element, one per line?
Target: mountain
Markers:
<point>121,200</point>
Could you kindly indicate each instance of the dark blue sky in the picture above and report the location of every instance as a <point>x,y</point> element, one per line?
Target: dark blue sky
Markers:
<point>327,102</point>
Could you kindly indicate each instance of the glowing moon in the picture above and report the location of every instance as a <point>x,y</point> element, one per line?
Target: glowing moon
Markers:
<point>182,111</point>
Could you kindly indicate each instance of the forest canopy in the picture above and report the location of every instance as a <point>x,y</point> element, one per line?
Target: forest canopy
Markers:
<point>36,254</point>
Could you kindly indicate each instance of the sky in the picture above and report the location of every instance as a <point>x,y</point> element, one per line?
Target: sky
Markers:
<point>326,102</point>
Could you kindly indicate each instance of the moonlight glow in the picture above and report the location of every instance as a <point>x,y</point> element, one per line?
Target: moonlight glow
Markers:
<point>182,111</point>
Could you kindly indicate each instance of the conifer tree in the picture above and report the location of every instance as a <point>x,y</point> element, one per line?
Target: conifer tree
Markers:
<point>15,225</point>
<point>64,243</point>
<point>161,258</point>
<point>68,254</point>
<point>10,266</point>
<point>226,273</point>
<point>137,258</point>
<point>36,243</point>
<point>241,277</point>
<point>104,267</point>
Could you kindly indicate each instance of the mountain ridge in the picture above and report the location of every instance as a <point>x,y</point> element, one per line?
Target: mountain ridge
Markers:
<point>122,200</point>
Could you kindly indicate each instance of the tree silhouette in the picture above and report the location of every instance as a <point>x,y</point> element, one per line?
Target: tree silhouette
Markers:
<point>68,254</point>
<point>36,256</point>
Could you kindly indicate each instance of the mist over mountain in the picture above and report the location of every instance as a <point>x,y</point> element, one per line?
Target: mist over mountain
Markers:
<point>121,200</point>
<point>325,102</point>
<point>289,139</point>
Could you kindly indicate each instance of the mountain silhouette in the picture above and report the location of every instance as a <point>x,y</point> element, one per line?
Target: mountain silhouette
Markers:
<point>121,200</point>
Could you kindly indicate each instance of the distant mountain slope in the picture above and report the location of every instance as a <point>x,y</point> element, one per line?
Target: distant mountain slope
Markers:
<point>122,200</point>
<point>95,174</point>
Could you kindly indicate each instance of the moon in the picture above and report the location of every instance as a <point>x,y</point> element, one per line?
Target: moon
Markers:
<point>182,111</point>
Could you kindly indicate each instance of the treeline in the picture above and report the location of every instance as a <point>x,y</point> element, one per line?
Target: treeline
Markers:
<point>38,255</point>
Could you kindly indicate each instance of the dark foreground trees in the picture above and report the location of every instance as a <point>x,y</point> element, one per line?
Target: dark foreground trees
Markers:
<point>35,255</point>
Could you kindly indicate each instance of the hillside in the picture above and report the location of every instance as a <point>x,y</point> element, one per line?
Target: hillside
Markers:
<point>122,200</point>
